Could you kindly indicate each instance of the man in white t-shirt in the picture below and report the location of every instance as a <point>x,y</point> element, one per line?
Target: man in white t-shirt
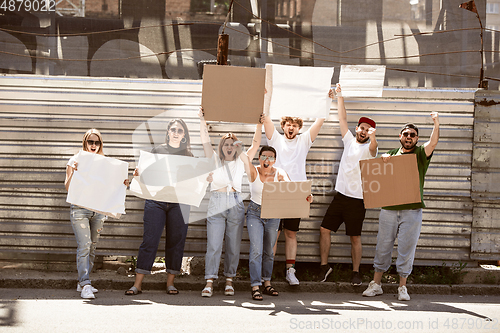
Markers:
<point>347,205</point>
<point>292,149</point>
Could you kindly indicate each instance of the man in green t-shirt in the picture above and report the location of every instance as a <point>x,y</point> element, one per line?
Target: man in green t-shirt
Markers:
<point>402,221</point>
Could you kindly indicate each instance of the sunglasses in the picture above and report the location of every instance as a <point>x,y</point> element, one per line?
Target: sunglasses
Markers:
<point>411,135</point>
<point>93,143</point>
<point>179,131</point>
<point>264,158</point>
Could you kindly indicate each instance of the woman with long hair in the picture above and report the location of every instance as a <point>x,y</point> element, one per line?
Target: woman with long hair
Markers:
<point>87,225</point>
<point>226,212</point>
<point>171,216</point>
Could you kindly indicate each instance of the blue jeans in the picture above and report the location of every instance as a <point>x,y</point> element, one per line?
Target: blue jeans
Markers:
<point>225,215</point>
<point>174,218</point>
<point>262,234</point>
<point>87,226</point>
<point>404,225</point>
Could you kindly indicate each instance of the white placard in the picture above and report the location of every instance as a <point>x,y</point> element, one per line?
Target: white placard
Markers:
<point>97,184</point>
<point>297,91</point>
<point>362,80</point>
<point>172,178</point>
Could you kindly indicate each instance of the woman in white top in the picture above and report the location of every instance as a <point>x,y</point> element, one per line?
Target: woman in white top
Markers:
<point>226,212</point>
<point>262,232</point>
<point>87,225</point>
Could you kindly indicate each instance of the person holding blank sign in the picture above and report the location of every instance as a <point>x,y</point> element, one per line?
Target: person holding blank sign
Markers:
<point>262,232</point>
<point>402,222</point>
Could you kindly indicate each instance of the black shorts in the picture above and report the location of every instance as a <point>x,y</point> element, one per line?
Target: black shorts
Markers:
<point>290,224</point>
<point>344,209</point>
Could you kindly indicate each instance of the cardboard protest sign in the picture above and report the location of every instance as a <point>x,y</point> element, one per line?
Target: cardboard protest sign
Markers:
<point>362,80</point>
<point>233,94</point>
<point>297,91</point>
<point>97,184</point>
<point>395,182</point>
<point>285,200</point>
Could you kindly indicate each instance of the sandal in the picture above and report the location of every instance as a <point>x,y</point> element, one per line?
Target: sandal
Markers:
<point>269,290</point>
<point>229,290</point>
<point>133,291</point>
<point>171,290</point>
<point>256,295</point>
<point>207,291</point>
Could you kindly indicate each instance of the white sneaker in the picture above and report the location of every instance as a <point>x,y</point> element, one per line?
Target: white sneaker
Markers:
<point>79,289</point>
<point>87,292</point>
<point>373,289</point>
<point>403,294</point>
<point>291,278</point>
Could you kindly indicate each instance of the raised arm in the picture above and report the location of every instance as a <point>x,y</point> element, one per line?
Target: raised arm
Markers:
<point>341,111</point>
<point>205,138</point>
<point>249,167</point>
<point>257,138</point>
<point>373,141</point>
<point>316,126</point>
<point>430,145</point>
<point>268,127</point>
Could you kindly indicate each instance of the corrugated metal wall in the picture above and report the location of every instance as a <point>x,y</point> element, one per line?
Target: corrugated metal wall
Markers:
<point>43,119</point>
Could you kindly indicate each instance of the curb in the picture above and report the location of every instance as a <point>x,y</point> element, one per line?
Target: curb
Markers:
<point>123,283</point>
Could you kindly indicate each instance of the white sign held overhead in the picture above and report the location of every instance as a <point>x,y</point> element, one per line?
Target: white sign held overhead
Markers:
<point>297,91</point>
<point>362,80</point>
<point>97,185</point>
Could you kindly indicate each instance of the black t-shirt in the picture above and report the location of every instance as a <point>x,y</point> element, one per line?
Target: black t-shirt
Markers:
<point>167,149</point>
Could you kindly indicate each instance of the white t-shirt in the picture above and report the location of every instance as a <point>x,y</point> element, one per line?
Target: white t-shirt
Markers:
<point>257,186</point>
<point>349,175</point>
<point>292,154</point>
<point>221,177</point>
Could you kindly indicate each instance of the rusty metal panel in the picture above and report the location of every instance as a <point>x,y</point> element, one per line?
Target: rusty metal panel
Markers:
<point>42,120</point>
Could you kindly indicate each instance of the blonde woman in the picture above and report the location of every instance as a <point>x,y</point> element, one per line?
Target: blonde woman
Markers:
<point>226,212</point>
<point>87,225</point>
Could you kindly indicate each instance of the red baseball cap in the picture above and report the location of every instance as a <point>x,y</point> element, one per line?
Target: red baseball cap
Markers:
<point>367,120</point>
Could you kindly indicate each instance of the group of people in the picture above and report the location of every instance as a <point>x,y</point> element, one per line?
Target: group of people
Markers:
<point>283,159</point>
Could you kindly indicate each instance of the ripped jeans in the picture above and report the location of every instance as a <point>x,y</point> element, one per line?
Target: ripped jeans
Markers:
<point>87,226</point>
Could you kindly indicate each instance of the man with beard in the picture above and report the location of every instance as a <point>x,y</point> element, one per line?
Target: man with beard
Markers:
<point>402,221</point>
<point>347,205</point>
<point>292,150</point>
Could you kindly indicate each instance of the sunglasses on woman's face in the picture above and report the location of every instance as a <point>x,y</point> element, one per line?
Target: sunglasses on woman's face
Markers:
<point>179,131</point>
<point>412,134</point>
<point>264,157</point>
<point>93,143</point>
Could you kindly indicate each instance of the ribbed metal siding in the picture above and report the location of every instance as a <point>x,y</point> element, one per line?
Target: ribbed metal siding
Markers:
<point>43,120</point>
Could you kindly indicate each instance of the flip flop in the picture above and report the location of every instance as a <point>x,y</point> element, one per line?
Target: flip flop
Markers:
<point>171,290</point>
<point>133,291</point>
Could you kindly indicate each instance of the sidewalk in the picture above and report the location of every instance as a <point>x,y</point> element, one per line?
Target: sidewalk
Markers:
<point>118,279</point>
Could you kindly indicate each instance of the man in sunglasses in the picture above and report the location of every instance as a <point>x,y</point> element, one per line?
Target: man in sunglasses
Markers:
<point>292,149</point>
<point>402,221</point>
<point>347,205</point>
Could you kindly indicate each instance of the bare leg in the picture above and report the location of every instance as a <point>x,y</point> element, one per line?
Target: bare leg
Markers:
<point>377,277</point>
<point>402,281</point>
<point>356,251</point>
<point>138,280</point>
<point>324,244</point>
<point>170,279</point>
<point>290,246</point>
